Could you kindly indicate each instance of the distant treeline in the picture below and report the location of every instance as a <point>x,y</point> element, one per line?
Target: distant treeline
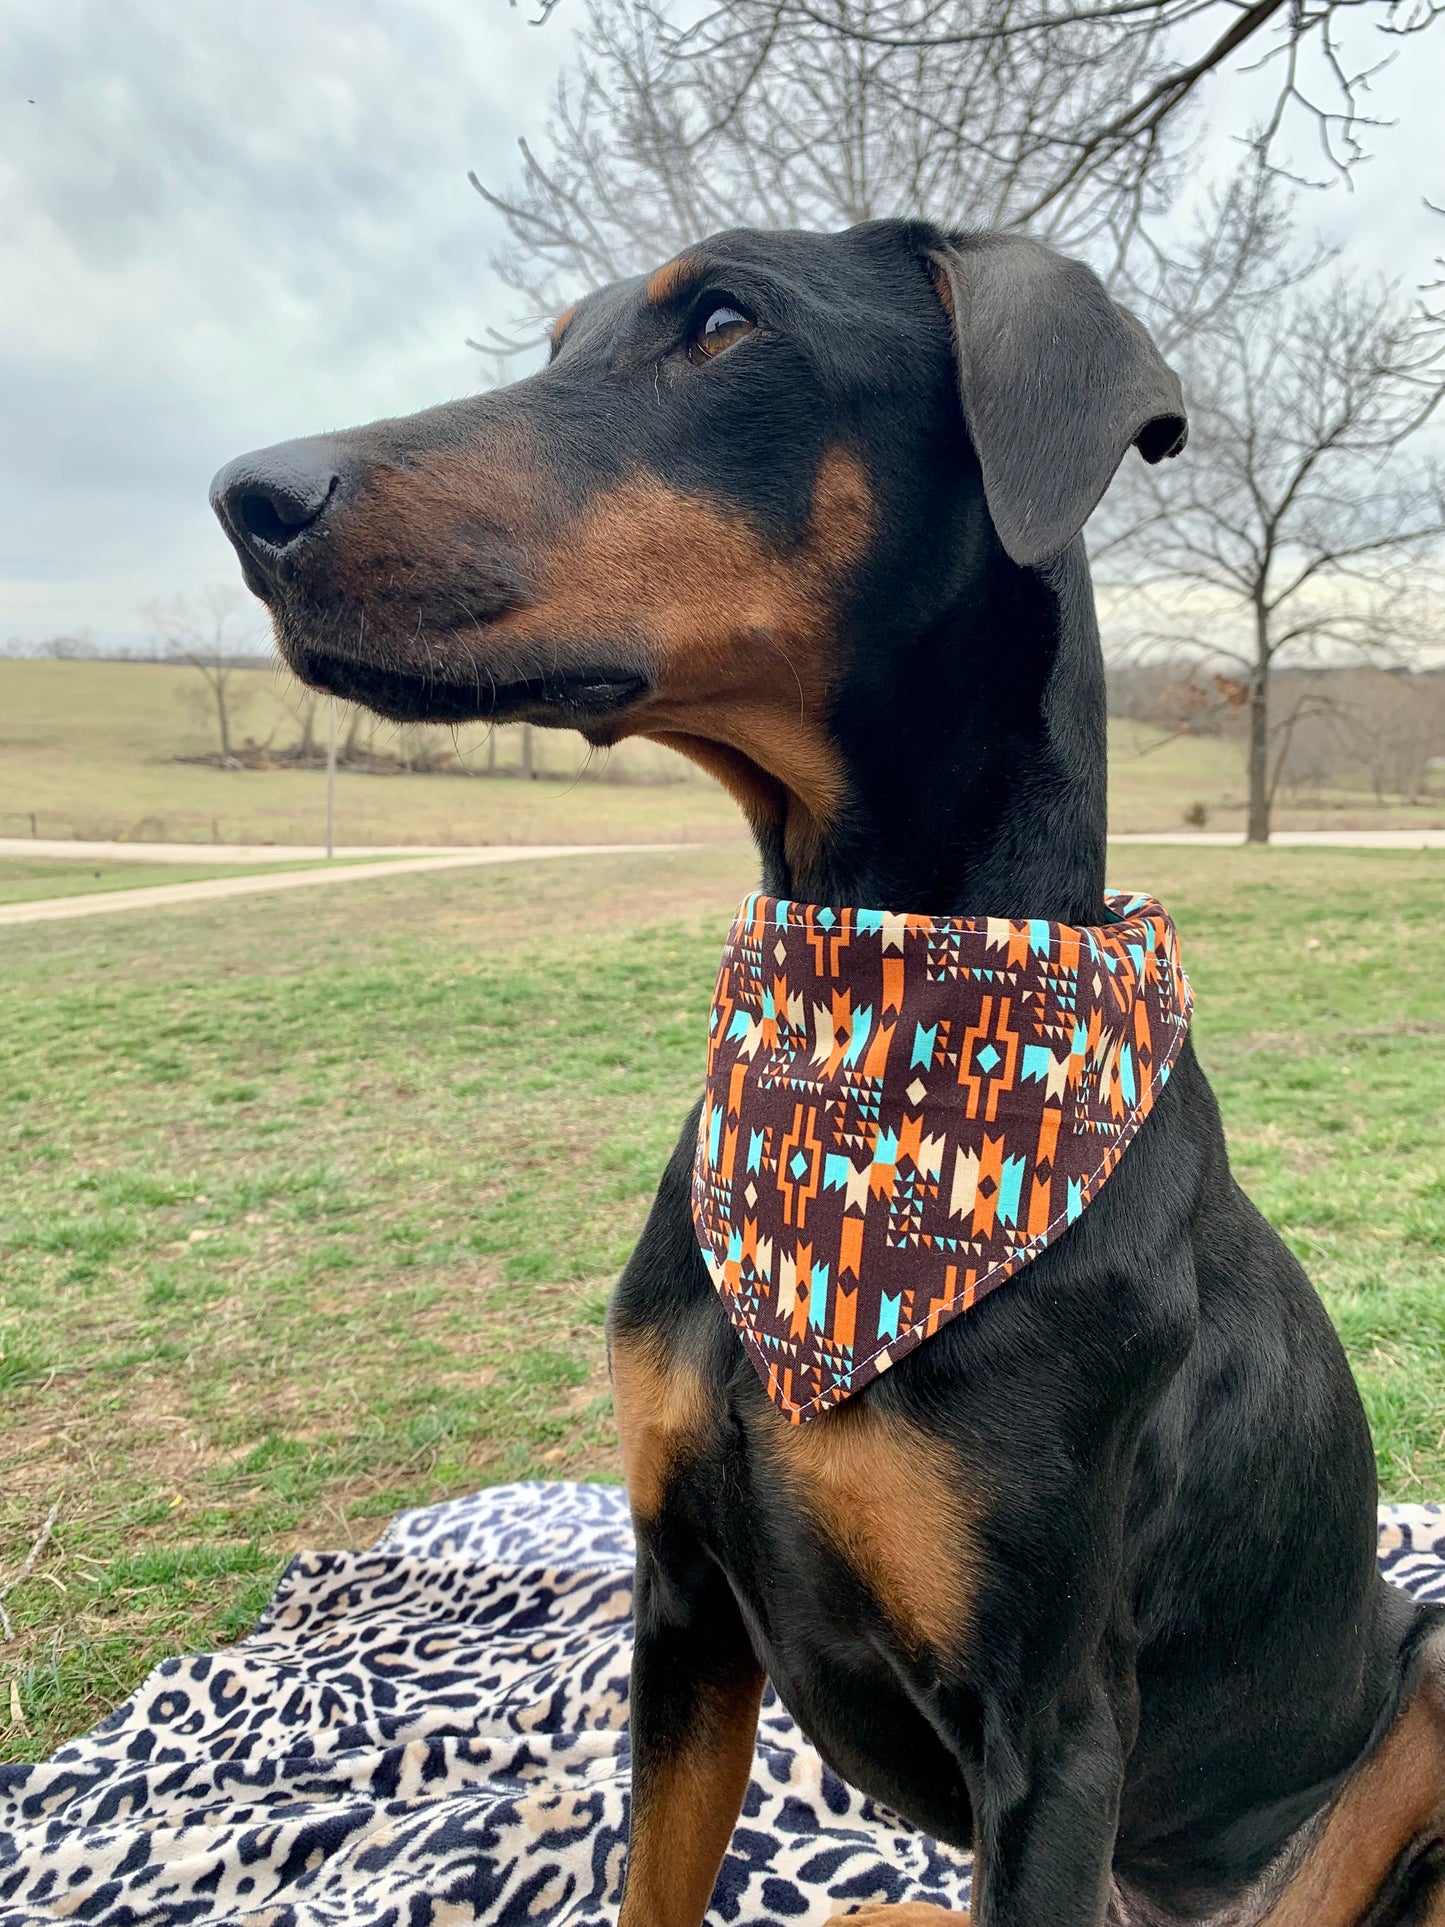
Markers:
<point>82,647</point>
<point>1356,727</point>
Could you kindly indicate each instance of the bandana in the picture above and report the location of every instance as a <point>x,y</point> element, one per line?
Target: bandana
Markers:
<point>902,1111</point>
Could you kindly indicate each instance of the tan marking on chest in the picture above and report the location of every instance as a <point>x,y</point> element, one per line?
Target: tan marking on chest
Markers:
<point>890,1499</point>
<point>662,1408</point>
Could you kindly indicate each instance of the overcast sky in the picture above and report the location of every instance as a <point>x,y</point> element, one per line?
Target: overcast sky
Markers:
<point>222,225</point>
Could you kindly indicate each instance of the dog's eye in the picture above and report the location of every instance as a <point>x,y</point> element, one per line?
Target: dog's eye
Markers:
<point>722,328</point>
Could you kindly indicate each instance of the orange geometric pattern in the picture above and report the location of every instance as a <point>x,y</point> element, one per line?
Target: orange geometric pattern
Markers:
<point>901,1111</point>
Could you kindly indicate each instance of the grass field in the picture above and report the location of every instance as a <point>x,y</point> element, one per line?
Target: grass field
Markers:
<point>308,1210</point>
<point>33,879</point>
<point>88,749</point>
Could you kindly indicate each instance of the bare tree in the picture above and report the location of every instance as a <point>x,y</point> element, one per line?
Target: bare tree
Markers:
<point>1396,730</point>
<point>79,647</point>
<point>1067,117</point>
<point>1299,518</point>
<point>215,632</point>
<point>304,703</point>
<point>360,735</point>
<point>776,119</point>
<point>1110,146</point>
<point>1384,726</point>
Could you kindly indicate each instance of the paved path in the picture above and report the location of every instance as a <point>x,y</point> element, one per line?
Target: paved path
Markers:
<point>200,853</point>
<point>157,896</point>
<point>250,853</point>
<point>1421,839</point>
<point>401,860</point>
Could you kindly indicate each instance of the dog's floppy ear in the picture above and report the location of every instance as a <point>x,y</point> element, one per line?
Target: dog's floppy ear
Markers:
<point>1057,380</point>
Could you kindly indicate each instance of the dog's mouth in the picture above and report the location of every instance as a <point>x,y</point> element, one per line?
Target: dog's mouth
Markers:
<point>584,698</point>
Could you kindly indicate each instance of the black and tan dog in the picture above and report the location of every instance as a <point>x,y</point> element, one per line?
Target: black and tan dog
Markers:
<point>1088,1580</point>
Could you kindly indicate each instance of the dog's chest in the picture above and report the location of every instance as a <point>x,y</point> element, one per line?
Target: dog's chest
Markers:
<point>858,1568</point>
<point>856,1503</point>
<point>865,1490</point>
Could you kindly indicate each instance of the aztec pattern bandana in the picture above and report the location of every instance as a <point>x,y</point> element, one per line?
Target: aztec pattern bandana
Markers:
<point>902,1111</point>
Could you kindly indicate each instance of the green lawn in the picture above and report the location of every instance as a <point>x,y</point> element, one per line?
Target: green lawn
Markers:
<point>308,1209</point>
<point>37,879</point>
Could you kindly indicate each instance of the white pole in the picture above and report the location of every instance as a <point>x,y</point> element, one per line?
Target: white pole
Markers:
<point>331,776</point>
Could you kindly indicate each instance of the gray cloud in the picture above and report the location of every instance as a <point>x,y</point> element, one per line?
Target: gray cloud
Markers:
<point>220,226</point>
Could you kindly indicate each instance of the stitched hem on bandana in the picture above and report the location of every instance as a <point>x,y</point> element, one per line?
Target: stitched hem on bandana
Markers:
<point>1004,997</point>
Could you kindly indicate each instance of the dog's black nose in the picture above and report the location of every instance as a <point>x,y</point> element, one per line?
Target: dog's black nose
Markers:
<point>268,502</point>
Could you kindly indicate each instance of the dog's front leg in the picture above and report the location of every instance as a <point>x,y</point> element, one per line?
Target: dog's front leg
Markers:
<point>1046,1813</point>
<point>696,1685</point>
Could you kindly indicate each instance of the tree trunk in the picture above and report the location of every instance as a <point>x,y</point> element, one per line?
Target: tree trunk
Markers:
<point>219,685</point>
<point>1257,829</point>
<point>528,771</point>
<point>492,750</point>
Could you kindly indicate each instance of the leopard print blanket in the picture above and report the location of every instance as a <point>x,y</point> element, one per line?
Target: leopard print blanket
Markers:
<point>435,1731</point>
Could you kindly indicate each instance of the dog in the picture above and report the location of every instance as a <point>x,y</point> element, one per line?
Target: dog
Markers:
<point>1087,1581</point>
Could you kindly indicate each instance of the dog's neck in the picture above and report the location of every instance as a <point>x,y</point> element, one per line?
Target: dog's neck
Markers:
<point>977,760</point>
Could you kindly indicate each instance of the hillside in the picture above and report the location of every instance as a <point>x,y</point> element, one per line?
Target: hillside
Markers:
<point>90,749</point>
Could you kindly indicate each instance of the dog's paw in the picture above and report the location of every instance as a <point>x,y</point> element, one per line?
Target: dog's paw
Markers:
<point>904,1913</point>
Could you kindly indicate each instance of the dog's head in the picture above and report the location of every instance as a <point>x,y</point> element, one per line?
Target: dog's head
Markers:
<point>730,475</point>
